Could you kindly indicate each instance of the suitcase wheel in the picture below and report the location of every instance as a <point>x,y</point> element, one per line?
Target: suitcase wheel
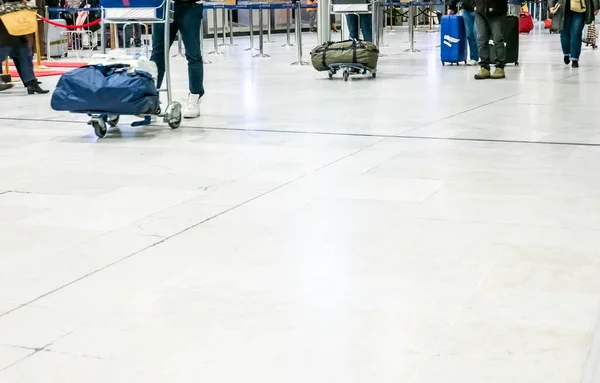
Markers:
<point>517,63</point>
<point>99,127</point>
<point>112,119</point>
<point>330,75</point>
<point>443,63</point>
<point>346,75</point>
<point>173,115</point>
<point>374,74</point>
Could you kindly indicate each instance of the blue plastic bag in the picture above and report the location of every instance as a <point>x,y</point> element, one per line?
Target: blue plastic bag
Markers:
<point>106,89</point>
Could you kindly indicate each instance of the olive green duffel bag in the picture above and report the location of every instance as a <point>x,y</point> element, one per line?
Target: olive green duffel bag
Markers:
<point>345,52</point>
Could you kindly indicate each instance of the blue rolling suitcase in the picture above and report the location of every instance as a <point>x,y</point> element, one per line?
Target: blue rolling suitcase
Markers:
<point>454,40</point>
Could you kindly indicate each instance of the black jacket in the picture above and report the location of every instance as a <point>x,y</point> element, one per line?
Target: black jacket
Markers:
<point>491,7</point>
<point>467,5</point>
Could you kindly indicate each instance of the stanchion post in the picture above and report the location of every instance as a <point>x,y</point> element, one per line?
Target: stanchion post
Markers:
<point>270,16</point>
<point>380,19</point>
<point>261,41</point>
<point>224,22</point>
<point>204,59</point>
<point>230,14</point>
<point>102,35</point>
<point>215,34</point>
<point>381,25</point>
<point>251,25</point>
<point>299,35</point>
<point>288,19</point>
<point>391,10</point>
<point>342,27</point>
<point>411,28</point>
<point>430,16</point>
<point>111,31</point>
<point>47,16</point>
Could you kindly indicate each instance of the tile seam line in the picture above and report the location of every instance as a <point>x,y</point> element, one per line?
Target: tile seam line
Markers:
<point>591,370</point>
<point>489,103</point>
<point>363,135</point>
<point>165,239</point>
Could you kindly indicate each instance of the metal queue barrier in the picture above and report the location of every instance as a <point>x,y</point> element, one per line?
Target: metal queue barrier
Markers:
<point>412,15</point>
<point>214,7</point>
<point>60,42</point>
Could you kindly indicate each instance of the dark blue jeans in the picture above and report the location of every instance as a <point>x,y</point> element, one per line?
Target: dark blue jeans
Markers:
<point>469,18</point>
<point>366,26</point>
<point>21,55</point>
<point>570,36</point>
<point>187,21</point>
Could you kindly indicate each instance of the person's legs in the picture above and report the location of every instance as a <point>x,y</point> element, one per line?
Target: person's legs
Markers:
<point>189,18</point>
<point>352,21</point>
<point>565,36</point>
<point>483,44</point>
<point>366,26</point>
<point>469,18</point>
<point>313,18</point>
<point>158,47</point>
<point>577,24</point>
<point>22,58</point>
<point>497,25</point>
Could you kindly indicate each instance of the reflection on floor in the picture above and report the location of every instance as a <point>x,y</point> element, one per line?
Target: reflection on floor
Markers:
<point>420,227</point>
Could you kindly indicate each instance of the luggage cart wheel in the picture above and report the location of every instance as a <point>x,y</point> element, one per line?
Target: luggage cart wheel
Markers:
<point>330,75</point>
<point>374,74</point>
<point>173,115</point>
<point>112,120</point>
<point>346,75</point>
<point>99,127</point>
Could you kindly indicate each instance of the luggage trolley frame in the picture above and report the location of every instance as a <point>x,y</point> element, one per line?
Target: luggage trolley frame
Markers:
<point>355,7</point>
<point>139,11</point>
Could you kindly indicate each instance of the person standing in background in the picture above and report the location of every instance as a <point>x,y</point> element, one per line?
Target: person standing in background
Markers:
<point>364,22</point>
<point>490,21</point>
<point>569,18</point>
<point>313,14</point>
<point>187,19</point>
<point>468,15</point>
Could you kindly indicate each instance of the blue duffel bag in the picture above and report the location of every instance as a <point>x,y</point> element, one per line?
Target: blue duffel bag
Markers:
<point>106,89</point>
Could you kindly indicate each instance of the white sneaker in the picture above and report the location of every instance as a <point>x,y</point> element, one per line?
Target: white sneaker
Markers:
<point>192,106</point>
<point>472,63</point>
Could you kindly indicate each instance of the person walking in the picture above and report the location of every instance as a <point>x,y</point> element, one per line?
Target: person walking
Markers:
<point>17,47</point>
<point>187,20</point>
<point>490,19</point>
<point>569,18</point>
<point>468,14</point>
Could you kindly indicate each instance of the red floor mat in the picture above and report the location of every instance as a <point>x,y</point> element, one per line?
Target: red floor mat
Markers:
<point>63,64</point>
<point>38,73</point>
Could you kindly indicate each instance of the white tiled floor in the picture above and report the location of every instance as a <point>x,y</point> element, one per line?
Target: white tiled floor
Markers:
<point>421,227</point>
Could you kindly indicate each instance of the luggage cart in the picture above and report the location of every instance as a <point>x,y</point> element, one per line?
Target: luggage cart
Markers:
<point>356,7</point>
<point>144,12</point>
<point>350,69</point>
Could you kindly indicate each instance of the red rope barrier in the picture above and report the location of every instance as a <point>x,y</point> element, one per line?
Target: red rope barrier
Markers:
<point>95,22</point>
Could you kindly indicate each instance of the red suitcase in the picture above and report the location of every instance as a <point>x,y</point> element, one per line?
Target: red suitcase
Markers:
<point>525,22</point>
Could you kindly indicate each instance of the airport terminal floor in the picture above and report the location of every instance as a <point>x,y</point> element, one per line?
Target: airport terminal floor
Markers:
<point>420,227</point>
